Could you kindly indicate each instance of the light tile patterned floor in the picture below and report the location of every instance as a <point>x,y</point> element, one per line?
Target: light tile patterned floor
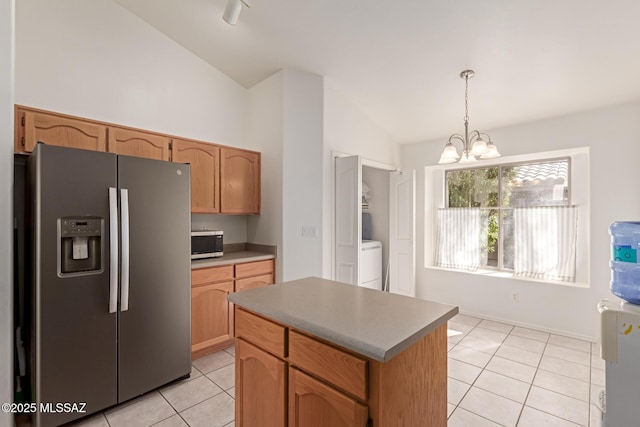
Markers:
<point>499,375</point>
<point>504,375</point>
<point>204,400</point>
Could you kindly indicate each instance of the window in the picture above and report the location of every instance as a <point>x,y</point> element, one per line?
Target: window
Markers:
<point>514,217</point>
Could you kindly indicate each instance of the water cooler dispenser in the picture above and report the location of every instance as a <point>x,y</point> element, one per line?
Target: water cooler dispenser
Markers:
<point>620,329</point>
<point>80,243</point>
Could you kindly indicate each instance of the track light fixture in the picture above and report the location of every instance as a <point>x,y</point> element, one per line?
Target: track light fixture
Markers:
<point>232,11</point>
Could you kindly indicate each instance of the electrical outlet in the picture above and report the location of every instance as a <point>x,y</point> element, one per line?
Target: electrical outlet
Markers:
<point>515,297</point>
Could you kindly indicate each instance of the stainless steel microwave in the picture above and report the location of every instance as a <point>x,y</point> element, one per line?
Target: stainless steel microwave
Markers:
<point>206,244</point>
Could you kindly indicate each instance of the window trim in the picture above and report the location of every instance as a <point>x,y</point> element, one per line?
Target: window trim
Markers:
<point>434,198</point>
<point>500,208</point>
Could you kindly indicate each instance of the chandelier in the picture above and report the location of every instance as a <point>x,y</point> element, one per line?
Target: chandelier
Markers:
<point>473,145</point>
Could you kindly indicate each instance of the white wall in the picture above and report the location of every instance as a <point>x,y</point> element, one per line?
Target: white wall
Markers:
<point>613,137</point>
<point>302,174</point>
<point>6,205</point>
<point>296,119</point>
<point>234,226</point>
<point>97,60</point>
<point>266,120</point>
<point>347,130</point>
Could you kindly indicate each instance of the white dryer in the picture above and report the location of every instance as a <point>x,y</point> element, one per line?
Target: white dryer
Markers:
<point>371,264</point>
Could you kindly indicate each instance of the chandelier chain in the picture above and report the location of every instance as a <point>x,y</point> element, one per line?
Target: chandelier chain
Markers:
<point>466,99</point>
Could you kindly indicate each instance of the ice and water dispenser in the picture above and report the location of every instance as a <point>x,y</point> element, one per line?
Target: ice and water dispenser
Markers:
<point>625,260</point>
<point>80,245</point>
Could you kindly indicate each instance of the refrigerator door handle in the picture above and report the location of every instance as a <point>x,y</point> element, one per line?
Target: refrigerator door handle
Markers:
<point>113,248</point>
<point>124,280</point>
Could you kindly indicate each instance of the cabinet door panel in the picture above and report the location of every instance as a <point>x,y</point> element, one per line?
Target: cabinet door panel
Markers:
<point>260,387</point>
<point>203,276</point>
<point>265,333</point>
<point>61,131</point>
<point>249,269</point>
<point>205,173</point>
<point>211,315</point>
<point>254,282</point>
<point>342,369</point>
<point>138,144</point>
<point>314,404</point>
<point>240,181</point>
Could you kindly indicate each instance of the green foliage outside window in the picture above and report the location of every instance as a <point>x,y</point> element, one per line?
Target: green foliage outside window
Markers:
<point>477,188</point>
<point>498,189</point>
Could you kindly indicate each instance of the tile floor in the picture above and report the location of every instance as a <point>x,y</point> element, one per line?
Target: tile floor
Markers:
<point>499,375</point>
<point>504,375</point>
<point>204,400</point>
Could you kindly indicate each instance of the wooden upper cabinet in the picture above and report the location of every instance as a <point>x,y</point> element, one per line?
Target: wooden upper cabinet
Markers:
<point>239,181</point>
<point>205,173</point>
<point>57,130</point>
<point>138,144</point>
<point>223,179</point>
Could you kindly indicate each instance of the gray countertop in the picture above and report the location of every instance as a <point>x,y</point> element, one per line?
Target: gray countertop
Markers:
<point>231,258</point>
<point>375,324</point>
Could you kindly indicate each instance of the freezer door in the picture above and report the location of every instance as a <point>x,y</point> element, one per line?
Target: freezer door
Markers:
<point>155,295</point>
<point>75,335</point>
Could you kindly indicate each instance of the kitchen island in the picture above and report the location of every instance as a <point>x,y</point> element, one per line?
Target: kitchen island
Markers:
<point>316,353</point>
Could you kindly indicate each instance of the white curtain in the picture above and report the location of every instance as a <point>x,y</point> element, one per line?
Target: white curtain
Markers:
<point>461,238</point>
<point>545,242</point>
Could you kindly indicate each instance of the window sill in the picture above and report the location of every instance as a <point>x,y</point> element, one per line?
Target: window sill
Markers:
<point>507,275</point>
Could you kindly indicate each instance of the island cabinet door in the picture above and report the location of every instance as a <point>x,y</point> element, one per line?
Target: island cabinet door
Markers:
<point>260,387</point>
<point>315,404</point>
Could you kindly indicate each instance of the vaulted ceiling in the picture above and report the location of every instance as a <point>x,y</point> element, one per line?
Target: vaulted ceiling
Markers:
<point>399,61</point>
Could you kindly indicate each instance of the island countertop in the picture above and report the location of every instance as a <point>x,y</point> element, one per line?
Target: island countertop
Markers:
<point>375,324</point>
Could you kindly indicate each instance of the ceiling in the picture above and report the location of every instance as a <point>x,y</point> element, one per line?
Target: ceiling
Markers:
<point>399,61</point>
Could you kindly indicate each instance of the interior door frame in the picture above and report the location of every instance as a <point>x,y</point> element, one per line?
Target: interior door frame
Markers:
<point>364,162</point>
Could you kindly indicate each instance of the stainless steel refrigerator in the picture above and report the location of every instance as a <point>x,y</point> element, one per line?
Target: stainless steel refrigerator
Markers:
<point>111,287</point>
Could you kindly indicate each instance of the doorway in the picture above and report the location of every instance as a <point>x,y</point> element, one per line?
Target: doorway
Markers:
<point>374,210</point>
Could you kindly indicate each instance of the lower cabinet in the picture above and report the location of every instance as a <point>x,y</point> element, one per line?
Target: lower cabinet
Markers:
<point>211,317</point>
<point>262,399</point>
<point>267,359</point>
<point>329,386</point>
<point>254,282</point>
<point>315,404</point>
<point>212,320</point>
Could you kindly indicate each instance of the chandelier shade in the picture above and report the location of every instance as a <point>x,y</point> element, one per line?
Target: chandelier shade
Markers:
<point>473,144</point>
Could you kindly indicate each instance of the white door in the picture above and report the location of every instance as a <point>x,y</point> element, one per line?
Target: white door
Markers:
<point>348,211</point>
<point>402,253</point>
